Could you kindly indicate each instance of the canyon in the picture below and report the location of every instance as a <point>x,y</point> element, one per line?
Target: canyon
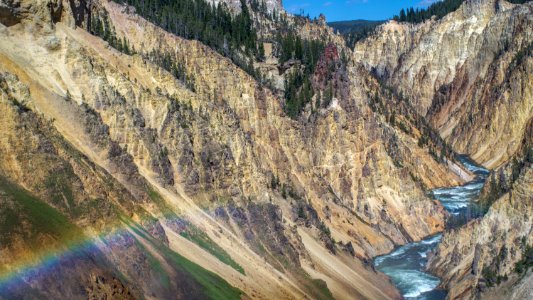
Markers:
<point>168,169</point>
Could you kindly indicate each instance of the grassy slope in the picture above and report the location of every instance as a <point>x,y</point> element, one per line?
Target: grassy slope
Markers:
<point>215,287</point>
<point>42,218</point>
<point>195,235</point>
<point>32,224</point>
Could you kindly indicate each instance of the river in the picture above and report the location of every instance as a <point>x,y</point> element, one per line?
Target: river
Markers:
<point>406,265</point>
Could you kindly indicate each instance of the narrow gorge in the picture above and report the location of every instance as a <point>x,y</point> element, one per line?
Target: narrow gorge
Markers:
<point>407,265</point>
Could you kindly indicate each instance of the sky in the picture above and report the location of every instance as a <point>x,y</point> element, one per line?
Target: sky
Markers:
<point>340,10</point>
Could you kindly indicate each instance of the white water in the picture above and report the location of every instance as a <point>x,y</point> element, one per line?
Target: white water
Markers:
<point>406,265</point>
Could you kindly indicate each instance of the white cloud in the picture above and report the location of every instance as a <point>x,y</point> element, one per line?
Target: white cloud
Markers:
<point>295,8</point>
<point>424,3</point>
<point>356,1</point>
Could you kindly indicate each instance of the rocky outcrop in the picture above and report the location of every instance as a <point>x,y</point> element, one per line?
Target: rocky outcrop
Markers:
<point>407,54</point>
<point>466,72</point>
<point>267,121</point>
<point>491,89</point>
<point>63,216</point>
<point>485,252</point>
<point>469,74</point>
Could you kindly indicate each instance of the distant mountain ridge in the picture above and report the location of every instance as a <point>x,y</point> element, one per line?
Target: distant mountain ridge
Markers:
<point>354,30</point>
<point>354,25</point>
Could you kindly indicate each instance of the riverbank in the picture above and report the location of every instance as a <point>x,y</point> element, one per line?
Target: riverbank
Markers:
<point>406,266</point>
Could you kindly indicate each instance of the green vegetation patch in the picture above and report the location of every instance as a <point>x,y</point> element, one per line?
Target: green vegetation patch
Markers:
<point>155,266</point>
<point>161,204</point>
<point>438,9</point>
<point>32,219</point>
<point>230,35</point>
<point>200,238</point>
<point>523,265</point>
<point>195,235</point>
<point>215,287</point>
<point>322,289</point>
<point>59,186</point>
<point>102,27</point>
<point>317,288</point>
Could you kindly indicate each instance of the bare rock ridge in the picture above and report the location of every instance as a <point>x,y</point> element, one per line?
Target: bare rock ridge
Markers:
<point>469,73</point>
<point>149,182</point>
<point>472,86</point>
<point>486,252</point>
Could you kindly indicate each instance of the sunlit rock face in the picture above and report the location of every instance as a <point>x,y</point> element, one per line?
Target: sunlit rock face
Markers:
<point>270,5</point>
<point>466,72</point>
<point>481,258</point>
<point>194,163</point>
<point>470,74</point>
<point>155,183</point>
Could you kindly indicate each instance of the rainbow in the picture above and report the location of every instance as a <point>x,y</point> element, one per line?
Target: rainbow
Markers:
<point>49,260</point>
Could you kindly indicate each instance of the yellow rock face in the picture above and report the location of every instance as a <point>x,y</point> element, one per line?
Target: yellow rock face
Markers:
<point>469,75</point>
<point>466,73</point>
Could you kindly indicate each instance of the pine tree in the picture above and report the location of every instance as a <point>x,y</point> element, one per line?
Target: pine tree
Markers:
<point>403,18</point>
<point>438,9</point>
<point>261,52</point>
<point>213,25</point>
<point>125,46</point>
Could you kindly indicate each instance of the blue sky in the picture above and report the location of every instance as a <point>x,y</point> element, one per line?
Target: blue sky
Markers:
<point>340,10</point>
